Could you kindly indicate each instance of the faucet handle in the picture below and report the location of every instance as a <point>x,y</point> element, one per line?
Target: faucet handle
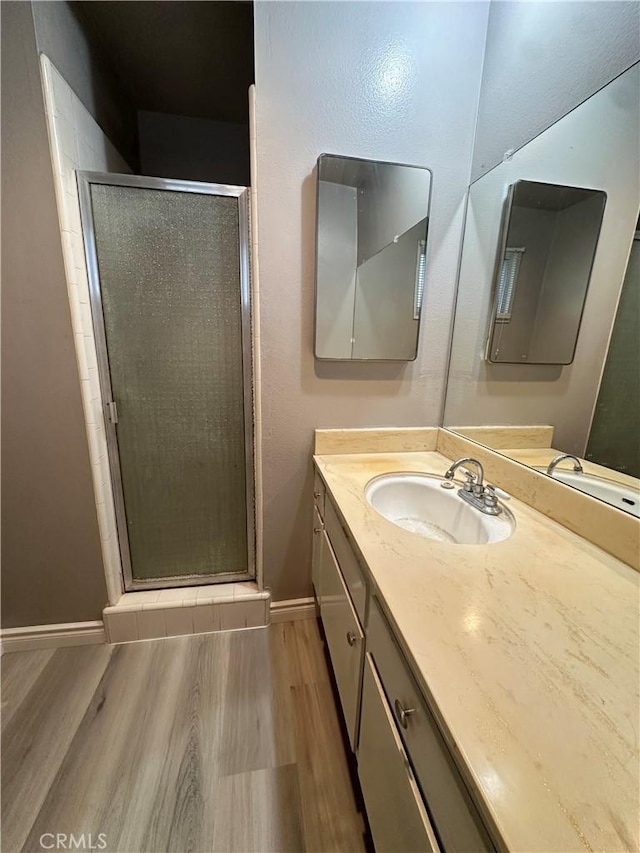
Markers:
<point>499,492</point>
<point>489,495</point>
<point>469,481</point>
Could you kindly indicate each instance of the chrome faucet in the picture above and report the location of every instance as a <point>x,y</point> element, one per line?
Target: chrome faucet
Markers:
<point>577,467</point>
<point>465,461</point>
<point>474,490</point>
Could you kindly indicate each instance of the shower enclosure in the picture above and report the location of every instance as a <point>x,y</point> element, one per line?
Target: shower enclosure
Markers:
<point>169,283</point>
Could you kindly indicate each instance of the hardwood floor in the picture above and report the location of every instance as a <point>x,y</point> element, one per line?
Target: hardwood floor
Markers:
<point>216,742</point>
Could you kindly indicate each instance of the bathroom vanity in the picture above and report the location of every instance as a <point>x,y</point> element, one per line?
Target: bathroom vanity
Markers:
<point>489,691</point>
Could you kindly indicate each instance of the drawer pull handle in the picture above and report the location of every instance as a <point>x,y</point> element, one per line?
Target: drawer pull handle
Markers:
<point>318,529</point>
<point>317,494</point>
<point>351,638</point>
<point>403,714</point>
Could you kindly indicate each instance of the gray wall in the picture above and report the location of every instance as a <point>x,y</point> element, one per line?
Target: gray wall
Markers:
<point>85,67</point>
<point>51,560</point>
<point>195,149</point>
<point>385,81</point>
<point>542,60</point>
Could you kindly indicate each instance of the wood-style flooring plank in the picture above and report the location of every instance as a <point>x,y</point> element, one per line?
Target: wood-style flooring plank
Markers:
<point>303,648</point>
<point>216,742</point>
<point>330,816</point>
<point>122,751</point>
<point>38,735</point>
<point>184,797</point>
<point>20,670</point>
<point>259,812</point>
<point>257,723</point>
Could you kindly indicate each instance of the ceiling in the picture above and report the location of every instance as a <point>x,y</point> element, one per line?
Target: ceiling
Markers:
<point>187,58</point>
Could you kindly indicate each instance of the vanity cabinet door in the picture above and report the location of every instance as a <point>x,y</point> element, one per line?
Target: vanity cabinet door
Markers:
<point>349,566</point>
<point>318,493</point>
<point>344,637</point>
<point>454,815</point>
<point>316,554</point>
<point>396,812</point>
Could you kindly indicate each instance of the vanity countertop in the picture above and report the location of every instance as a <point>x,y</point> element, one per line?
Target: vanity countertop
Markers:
<point>529,652</point>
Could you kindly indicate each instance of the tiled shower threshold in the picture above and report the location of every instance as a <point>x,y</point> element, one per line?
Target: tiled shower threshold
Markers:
<point>152,614</point>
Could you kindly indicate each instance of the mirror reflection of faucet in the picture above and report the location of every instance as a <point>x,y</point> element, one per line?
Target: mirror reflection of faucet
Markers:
<point>474,491</point>
<point>577,465</point>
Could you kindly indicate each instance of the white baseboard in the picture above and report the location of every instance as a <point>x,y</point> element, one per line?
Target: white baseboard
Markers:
<point>292,609</point>
<point>51,636</point>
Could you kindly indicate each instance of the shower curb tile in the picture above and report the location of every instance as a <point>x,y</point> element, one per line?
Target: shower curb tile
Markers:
<point>233,615</point>
<point>114,609</point>
<point>188,595</point>
<point>121,627</point>
<point>179,621</point>
<point>245,589</point>
<point>147,620</point>
<point>204,619</point>
<point>151,624</point>
<point>170,595</point>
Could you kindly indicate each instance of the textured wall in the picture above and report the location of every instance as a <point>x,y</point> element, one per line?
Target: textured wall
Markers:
<point>195,149</point>
<point>51,561</point>
<point>542,60</point>
<point>388,81</point>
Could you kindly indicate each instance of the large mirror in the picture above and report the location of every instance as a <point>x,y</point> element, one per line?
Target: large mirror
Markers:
<point>577,392</point>
<point>371,244</point>
<point>545,260</point>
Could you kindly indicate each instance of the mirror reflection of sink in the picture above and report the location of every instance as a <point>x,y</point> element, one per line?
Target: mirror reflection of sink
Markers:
<point>617,494</point>
<point>421,504</point>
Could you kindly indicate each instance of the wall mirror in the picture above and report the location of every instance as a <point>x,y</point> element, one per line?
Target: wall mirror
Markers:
<point>587,402</point>
<point>371,242</point>
<point>548,244</point>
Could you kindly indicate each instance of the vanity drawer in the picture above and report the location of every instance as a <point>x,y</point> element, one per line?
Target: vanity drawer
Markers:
<point>349,565</point>
<point>318,493</point>
<point>344,637</point>
<point>396,813</point>
<point>454,815</point>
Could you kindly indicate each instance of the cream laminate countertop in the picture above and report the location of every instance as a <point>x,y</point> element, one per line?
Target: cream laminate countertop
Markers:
<point>529,652</point>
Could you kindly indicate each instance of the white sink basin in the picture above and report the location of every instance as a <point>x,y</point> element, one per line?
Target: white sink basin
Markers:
<point>420,504</point>
<point>617,494</point>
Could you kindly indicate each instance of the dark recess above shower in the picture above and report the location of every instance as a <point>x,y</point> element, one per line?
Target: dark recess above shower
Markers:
<point>186,68</point>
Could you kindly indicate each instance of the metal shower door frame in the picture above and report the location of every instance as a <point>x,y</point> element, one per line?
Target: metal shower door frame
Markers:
<point>84,181</point>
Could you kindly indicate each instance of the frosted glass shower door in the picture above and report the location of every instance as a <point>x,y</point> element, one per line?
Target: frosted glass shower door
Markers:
<point>170,307</point>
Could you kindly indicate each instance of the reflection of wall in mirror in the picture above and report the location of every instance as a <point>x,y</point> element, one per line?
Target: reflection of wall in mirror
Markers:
<point>384,324</point>
<point>558,246</point>
<point>596,145</point>
<point>371,235</point>
<point>566,279</point>
<point>336,272</point>
<point>529,228</point>
<point>391,200</point>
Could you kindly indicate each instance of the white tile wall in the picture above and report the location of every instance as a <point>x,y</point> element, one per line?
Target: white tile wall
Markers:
<point>77,142</point>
